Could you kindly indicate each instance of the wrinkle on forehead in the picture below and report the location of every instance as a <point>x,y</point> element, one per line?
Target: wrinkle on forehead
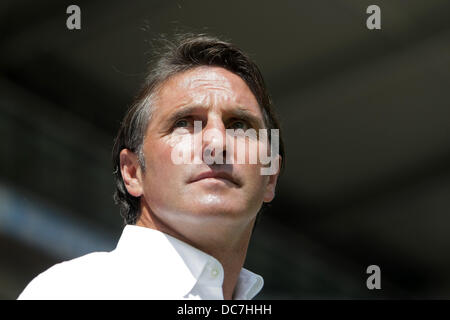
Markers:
<point>211,78</point>
<point>208,86</point>
<point>206,76</point>
<point>212,97</point>
<point>209,73</point>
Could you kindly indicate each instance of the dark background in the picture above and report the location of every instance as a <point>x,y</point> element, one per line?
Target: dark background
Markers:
<point>366,118</point>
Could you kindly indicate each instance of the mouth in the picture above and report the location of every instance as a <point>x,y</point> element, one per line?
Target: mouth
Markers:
<point>216,176</point>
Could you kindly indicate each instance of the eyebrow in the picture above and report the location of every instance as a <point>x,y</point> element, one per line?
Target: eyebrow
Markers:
<point>239,112</point>
<point>245,114</point>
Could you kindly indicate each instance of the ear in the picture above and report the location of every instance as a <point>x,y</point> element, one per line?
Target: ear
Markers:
<point>269,193</point>
<point>131,172</point>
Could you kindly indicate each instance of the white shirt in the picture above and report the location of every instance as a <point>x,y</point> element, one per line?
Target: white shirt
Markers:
<point>146,264</point>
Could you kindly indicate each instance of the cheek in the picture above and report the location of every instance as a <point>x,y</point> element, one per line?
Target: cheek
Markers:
<point>253,190</point>
<point>244,150</point>
<point>163,181</point>
<point>255,182</point>
<point>160,167</point>
<point>180,148</point>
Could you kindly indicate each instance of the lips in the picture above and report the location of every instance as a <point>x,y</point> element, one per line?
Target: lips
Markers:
<point>215,175</point>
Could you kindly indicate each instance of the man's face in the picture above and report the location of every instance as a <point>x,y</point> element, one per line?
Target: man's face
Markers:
<point>176,192</point>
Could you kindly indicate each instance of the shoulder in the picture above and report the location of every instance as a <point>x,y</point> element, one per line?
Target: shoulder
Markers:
<point>67,279</point>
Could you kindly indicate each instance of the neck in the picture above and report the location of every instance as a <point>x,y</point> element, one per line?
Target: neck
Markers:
<point>228,244</point>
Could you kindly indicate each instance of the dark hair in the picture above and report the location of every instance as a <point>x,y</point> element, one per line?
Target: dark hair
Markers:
<point>186,52</point>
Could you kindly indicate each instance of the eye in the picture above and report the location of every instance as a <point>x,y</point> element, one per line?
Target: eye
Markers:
<point>239,124</point>
<point>182,123</point>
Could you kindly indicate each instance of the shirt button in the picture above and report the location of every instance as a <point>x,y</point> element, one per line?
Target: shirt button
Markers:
<point>214,272</point>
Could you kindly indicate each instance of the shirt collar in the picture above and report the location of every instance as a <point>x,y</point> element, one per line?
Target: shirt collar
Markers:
<point>164,254</point>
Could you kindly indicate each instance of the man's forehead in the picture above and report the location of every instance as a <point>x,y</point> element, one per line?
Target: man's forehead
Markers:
<point>201,76</point>
<point>207,87</point>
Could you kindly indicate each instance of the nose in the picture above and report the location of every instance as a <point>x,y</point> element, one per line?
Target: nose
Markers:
<point>214,142</point>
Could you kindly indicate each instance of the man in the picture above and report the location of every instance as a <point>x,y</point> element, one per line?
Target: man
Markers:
<point>188,225</point>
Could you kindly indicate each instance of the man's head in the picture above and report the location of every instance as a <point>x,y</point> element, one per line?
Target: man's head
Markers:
<point>196,78</point>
